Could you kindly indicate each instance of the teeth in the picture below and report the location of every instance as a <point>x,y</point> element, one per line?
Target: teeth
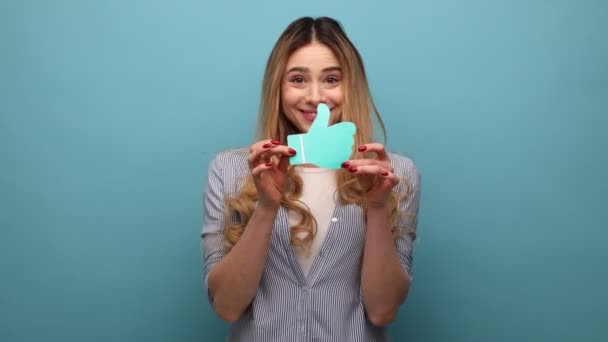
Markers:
<point>309,115</point>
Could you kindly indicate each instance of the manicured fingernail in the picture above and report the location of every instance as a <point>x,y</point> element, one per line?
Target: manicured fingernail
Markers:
<point>292,151</point>
<point>266,145</point>
<point>384,173</point>
<point>275,142</point>
<point>362,148</point>
<point>269,164</point>
<point>352,169</point>
<point>345,164</point>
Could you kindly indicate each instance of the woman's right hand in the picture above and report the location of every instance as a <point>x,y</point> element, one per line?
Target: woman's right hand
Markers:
<point>270,179</point>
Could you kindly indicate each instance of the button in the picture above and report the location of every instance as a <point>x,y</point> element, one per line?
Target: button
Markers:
<point>334,219</point>
<point>305,288</point>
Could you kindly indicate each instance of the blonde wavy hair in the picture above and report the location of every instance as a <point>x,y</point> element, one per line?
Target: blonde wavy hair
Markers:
<point>357,107</point>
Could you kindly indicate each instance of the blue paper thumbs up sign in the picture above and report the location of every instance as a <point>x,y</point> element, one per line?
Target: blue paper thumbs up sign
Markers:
<point>323,145</point>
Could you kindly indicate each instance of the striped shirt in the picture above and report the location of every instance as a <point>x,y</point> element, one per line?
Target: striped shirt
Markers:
<point>326,305</point>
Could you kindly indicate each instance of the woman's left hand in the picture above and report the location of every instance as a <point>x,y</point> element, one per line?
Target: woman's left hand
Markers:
<point>375,174</point>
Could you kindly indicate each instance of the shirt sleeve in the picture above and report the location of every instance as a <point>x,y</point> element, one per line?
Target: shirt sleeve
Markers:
<point>408,219</point>
<point>212,242</point>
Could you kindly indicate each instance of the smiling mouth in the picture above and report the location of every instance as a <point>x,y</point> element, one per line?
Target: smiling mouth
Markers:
<point>309,116</point>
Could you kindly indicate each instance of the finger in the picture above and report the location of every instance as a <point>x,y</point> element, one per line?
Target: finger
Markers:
<point>261,143</point>
<point>278,151</point>
<point>368,161</point>
<point>259,148</point>
<point>261,168</point>
<point>374,170</point>
<point>376,148</point>
<point>283,164</point>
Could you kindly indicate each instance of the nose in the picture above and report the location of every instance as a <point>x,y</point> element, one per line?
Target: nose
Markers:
<point>315,94</point>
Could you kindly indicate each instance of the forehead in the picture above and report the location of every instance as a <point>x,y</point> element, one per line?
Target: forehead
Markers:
<point>312,55</point>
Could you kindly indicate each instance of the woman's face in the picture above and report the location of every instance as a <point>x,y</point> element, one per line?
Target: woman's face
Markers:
<point>312,75</point>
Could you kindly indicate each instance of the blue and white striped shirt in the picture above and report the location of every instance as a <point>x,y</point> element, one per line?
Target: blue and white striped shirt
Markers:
<point>326,305</point>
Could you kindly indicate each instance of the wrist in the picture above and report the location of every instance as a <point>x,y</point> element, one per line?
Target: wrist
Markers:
<point>377,207</point>
<point>378,211</point>
<point>264,216</point>
<point>267,207</point>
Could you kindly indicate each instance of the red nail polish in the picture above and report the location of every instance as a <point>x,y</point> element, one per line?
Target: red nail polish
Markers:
<point>292,151</point>
<point>275,142</point>
<point>266,145</point>
<point>362,148</point>
<point>352,169</point>
<point>269,164</point>
<point>384,173</point>
<point>345,164</point>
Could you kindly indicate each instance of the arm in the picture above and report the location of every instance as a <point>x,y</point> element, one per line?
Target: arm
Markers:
<point>234,280</point>
<point>384,282</point>
<point>386,266</point>
<point>386,271</point>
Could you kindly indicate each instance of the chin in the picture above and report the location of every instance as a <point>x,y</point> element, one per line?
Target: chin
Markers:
<point>304,128</point>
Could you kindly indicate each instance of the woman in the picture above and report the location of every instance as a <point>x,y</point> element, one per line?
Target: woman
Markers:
<point>299,252</point>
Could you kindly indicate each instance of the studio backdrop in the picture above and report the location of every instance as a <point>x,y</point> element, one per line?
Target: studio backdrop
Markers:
<point>111,111</point>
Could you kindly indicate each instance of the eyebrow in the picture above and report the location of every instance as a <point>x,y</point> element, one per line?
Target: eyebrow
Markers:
<point>306,70</point>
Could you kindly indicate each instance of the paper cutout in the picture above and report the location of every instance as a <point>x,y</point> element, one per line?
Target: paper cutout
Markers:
<point>324,146</point>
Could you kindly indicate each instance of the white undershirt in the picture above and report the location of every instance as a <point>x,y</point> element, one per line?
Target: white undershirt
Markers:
<point>319,186</point>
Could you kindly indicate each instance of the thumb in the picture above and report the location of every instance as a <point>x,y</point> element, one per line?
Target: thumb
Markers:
<point>283,164</point>
<point>322,120</point>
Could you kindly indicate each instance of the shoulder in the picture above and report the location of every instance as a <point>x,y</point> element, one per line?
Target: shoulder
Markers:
<point>231,157</point>
<point>229,169</point>
<point>229,162</point>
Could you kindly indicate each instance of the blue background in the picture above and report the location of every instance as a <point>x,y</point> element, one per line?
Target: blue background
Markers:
<point>111,111</point>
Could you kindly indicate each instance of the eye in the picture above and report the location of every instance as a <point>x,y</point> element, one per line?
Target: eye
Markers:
<point>297,79</point>
<point>332,79</point>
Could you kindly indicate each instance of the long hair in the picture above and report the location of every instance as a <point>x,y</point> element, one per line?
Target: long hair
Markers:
<point>357,107</point>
